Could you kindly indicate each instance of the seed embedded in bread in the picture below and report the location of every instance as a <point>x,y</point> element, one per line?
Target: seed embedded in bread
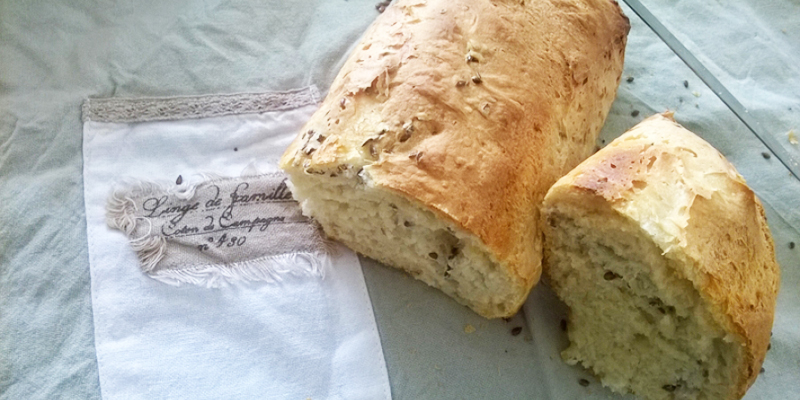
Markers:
<point>690,307</point>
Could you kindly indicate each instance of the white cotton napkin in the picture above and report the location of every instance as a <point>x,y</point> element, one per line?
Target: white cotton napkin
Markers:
<point>298,337</point>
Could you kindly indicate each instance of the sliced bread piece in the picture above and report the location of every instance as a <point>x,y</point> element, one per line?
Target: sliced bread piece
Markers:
<point>663,255</point>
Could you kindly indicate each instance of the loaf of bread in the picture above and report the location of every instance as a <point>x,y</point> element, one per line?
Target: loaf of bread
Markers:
<point>663,255</point>
<point>446,126</point>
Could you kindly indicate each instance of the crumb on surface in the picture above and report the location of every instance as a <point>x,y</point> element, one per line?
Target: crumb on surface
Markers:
<point>792,137</point>
<point>468,328</point>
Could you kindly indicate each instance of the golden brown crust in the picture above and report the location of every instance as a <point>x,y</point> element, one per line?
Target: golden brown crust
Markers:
<point>702,214</point>
<point>734,252</point>
<point>473,108</point>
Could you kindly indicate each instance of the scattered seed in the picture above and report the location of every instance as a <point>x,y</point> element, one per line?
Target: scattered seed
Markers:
<point>433,255</point>
<point>563,325</point>
<point>408,224</point>
<point>516,330</point>
<point>629,80</point>
<point>470,58</point>
<point>370,144</point>
<point>179,180</point>
<point>766,155</point>
<point>235,149</point>
<point>609,276</point>
<point>408,129</point>
<point>453,253</point>
<point>655,302</point>
<point>634,113</point>
<point>669,388</point>
<point>461,83</point>
<point>762,370</point>
<point>583,382</point>
<point>791,245</point>
<point>342,103</point>
<point>477,79</point>
<point>686,84</point>
<point>769,346</point>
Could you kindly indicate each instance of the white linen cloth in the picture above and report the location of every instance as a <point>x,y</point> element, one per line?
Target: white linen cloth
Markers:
<point>298,338</point>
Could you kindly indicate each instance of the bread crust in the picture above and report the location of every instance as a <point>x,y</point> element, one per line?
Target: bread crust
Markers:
<point>702,215</point>
<point>473,108</point>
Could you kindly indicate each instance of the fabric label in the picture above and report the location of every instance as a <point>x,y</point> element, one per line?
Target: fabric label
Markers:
<point>228,225</point>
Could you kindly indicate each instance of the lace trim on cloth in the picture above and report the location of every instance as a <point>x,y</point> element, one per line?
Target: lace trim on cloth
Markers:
<point>127,110</point>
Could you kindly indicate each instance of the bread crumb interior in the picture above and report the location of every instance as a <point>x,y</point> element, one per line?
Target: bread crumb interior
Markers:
<point>633,321</point>
<point>391,229</point>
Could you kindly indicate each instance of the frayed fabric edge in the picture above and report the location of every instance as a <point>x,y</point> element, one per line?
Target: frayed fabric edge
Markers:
<point>120,214</point>
<point>271,269</point>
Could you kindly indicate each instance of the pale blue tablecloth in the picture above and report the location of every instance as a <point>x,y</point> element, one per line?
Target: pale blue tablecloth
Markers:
<point>53,55</point>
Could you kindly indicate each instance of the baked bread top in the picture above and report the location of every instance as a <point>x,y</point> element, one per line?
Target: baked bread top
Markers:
<point>472,108</point>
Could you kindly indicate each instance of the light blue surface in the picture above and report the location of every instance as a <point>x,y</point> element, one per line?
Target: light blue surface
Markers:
<point>55,54</point>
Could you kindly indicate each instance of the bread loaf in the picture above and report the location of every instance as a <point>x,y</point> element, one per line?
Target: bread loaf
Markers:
<point>663,255</point>
<point>446,126</point>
